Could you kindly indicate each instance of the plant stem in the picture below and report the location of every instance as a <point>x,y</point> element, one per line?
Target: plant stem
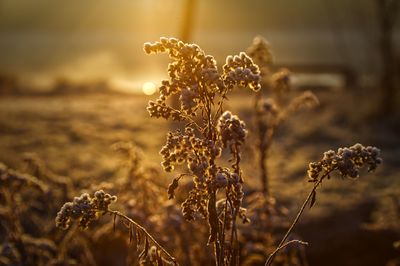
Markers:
<point>222,237</point>
<point>264,172</point>
<point>126,218</point>
<point>289,231</point>
<point>287,244</point>
<point>215,232</point>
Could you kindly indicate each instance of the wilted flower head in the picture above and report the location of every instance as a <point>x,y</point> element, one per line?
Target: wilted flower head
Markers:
<point>194,77</point>
<point>261,54</point>
<point>267,105</point>
<point>191,73</point>
<point>306,99</point>
<point>347,161</point>
<point>240,70</point>
<point>280,81</point>
<point>85,209</point>
<point>221,180</point>
<point>231,128</point>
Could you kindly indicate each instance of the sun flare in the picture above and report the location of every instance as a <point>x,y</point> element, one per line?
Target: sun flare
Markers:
<point>149,88</point>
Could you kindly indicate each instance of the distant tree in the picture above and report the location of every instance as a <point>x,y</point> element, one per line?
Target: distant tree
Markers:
<point>387,13</point>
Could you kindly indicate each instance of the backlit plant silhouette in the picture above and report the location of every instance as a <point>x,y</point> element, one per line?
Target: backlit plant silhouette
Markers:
<point>347,162</point>
<point>86,208</point>
<point>217,190</point>
<point>213,186</point>
<point>272,111</point>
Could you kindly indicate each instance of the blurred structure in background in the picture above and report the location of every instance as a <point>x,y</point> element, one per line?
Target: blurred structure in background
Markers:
<point>187,22</point>
<point>327,44</point>
<point>387,13</point>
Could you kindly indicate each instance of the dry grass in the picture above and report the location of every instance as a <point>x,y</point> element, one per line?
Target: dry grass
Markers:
<point>73,138</point>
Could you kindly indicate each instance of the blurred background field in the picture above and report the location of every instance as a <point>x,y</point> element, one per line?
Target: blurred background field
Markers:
<point>103,40</point>
<point>74,79</point>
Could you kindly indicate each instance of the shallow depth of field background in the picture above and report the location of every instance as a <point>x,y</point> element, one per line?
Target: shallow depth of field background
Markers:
<point>74,80</point>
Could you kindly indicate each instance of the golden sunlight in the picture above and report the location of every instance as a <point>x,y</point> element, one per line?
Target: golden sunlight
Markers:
<point>125,85</point>
<point>149,88</point>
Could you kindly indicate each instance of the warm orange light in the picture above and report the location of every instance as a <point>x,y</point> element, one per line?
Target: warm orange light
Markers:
<point>125,85</point>
<point>149,88</point>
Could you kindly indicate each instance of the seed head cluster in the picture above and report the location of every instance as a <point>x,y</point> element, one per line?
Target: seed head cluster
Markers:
<point>240,70</point>
<point>84,209</point>
<point>307,99</point>
<point>231,129</point>
<point>280,81</point>
<point>197,154</point>
<point>267,106</point>
<point>347,161</point>
<point>260,52</point>
<point>185,147</point>
<point>272,111</point>
<point>194,77</point>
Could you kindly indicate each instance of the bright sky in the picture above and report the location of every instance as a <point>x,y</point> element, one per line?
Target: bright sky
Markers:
<point>92,39</point>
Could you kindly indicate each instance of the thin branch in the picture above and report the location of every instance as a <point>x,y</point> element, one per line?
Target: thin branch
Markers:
<point>289,231</point>
<point>220,104</point>
<point>295,241</point>
<point>129,220</point>
<point>224,224</point>
<point>183,115</point>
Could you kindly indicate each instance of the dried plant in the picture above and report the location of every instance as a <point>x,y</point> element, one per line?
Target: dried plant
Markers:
<point>347,162</point>
<point>205,154</point>
<point>23,200</point>
<point>139,179</point>
<point>11,184</point>
<point>272,111</point>
<point>37,167</point>
<point>85,209</point>
<point>194,77</point>
<point>13,180</point>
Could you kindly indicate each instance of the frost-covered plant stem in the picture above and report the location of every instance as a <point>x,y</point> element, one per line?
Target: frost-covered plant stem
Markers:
<point>262,146</point>
<point>270,112</point>
<point>282,243</point>
<point>86,208</point>
<point>346,161</point>
<point>138,226</point>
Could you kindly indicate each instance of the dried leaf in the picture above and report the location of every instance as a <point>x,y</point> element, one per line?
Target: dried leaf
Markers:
<point>145,250</point>
<point>138,237</point>
<point>160,261</point>
<point>313,198</point>
<point>126,223</point>
<point>172,187</point>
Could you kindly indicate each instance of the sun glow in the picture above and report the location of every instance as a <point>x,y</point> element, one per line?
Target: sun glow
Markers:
<point>125,85</point>
<point>149,88</point>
